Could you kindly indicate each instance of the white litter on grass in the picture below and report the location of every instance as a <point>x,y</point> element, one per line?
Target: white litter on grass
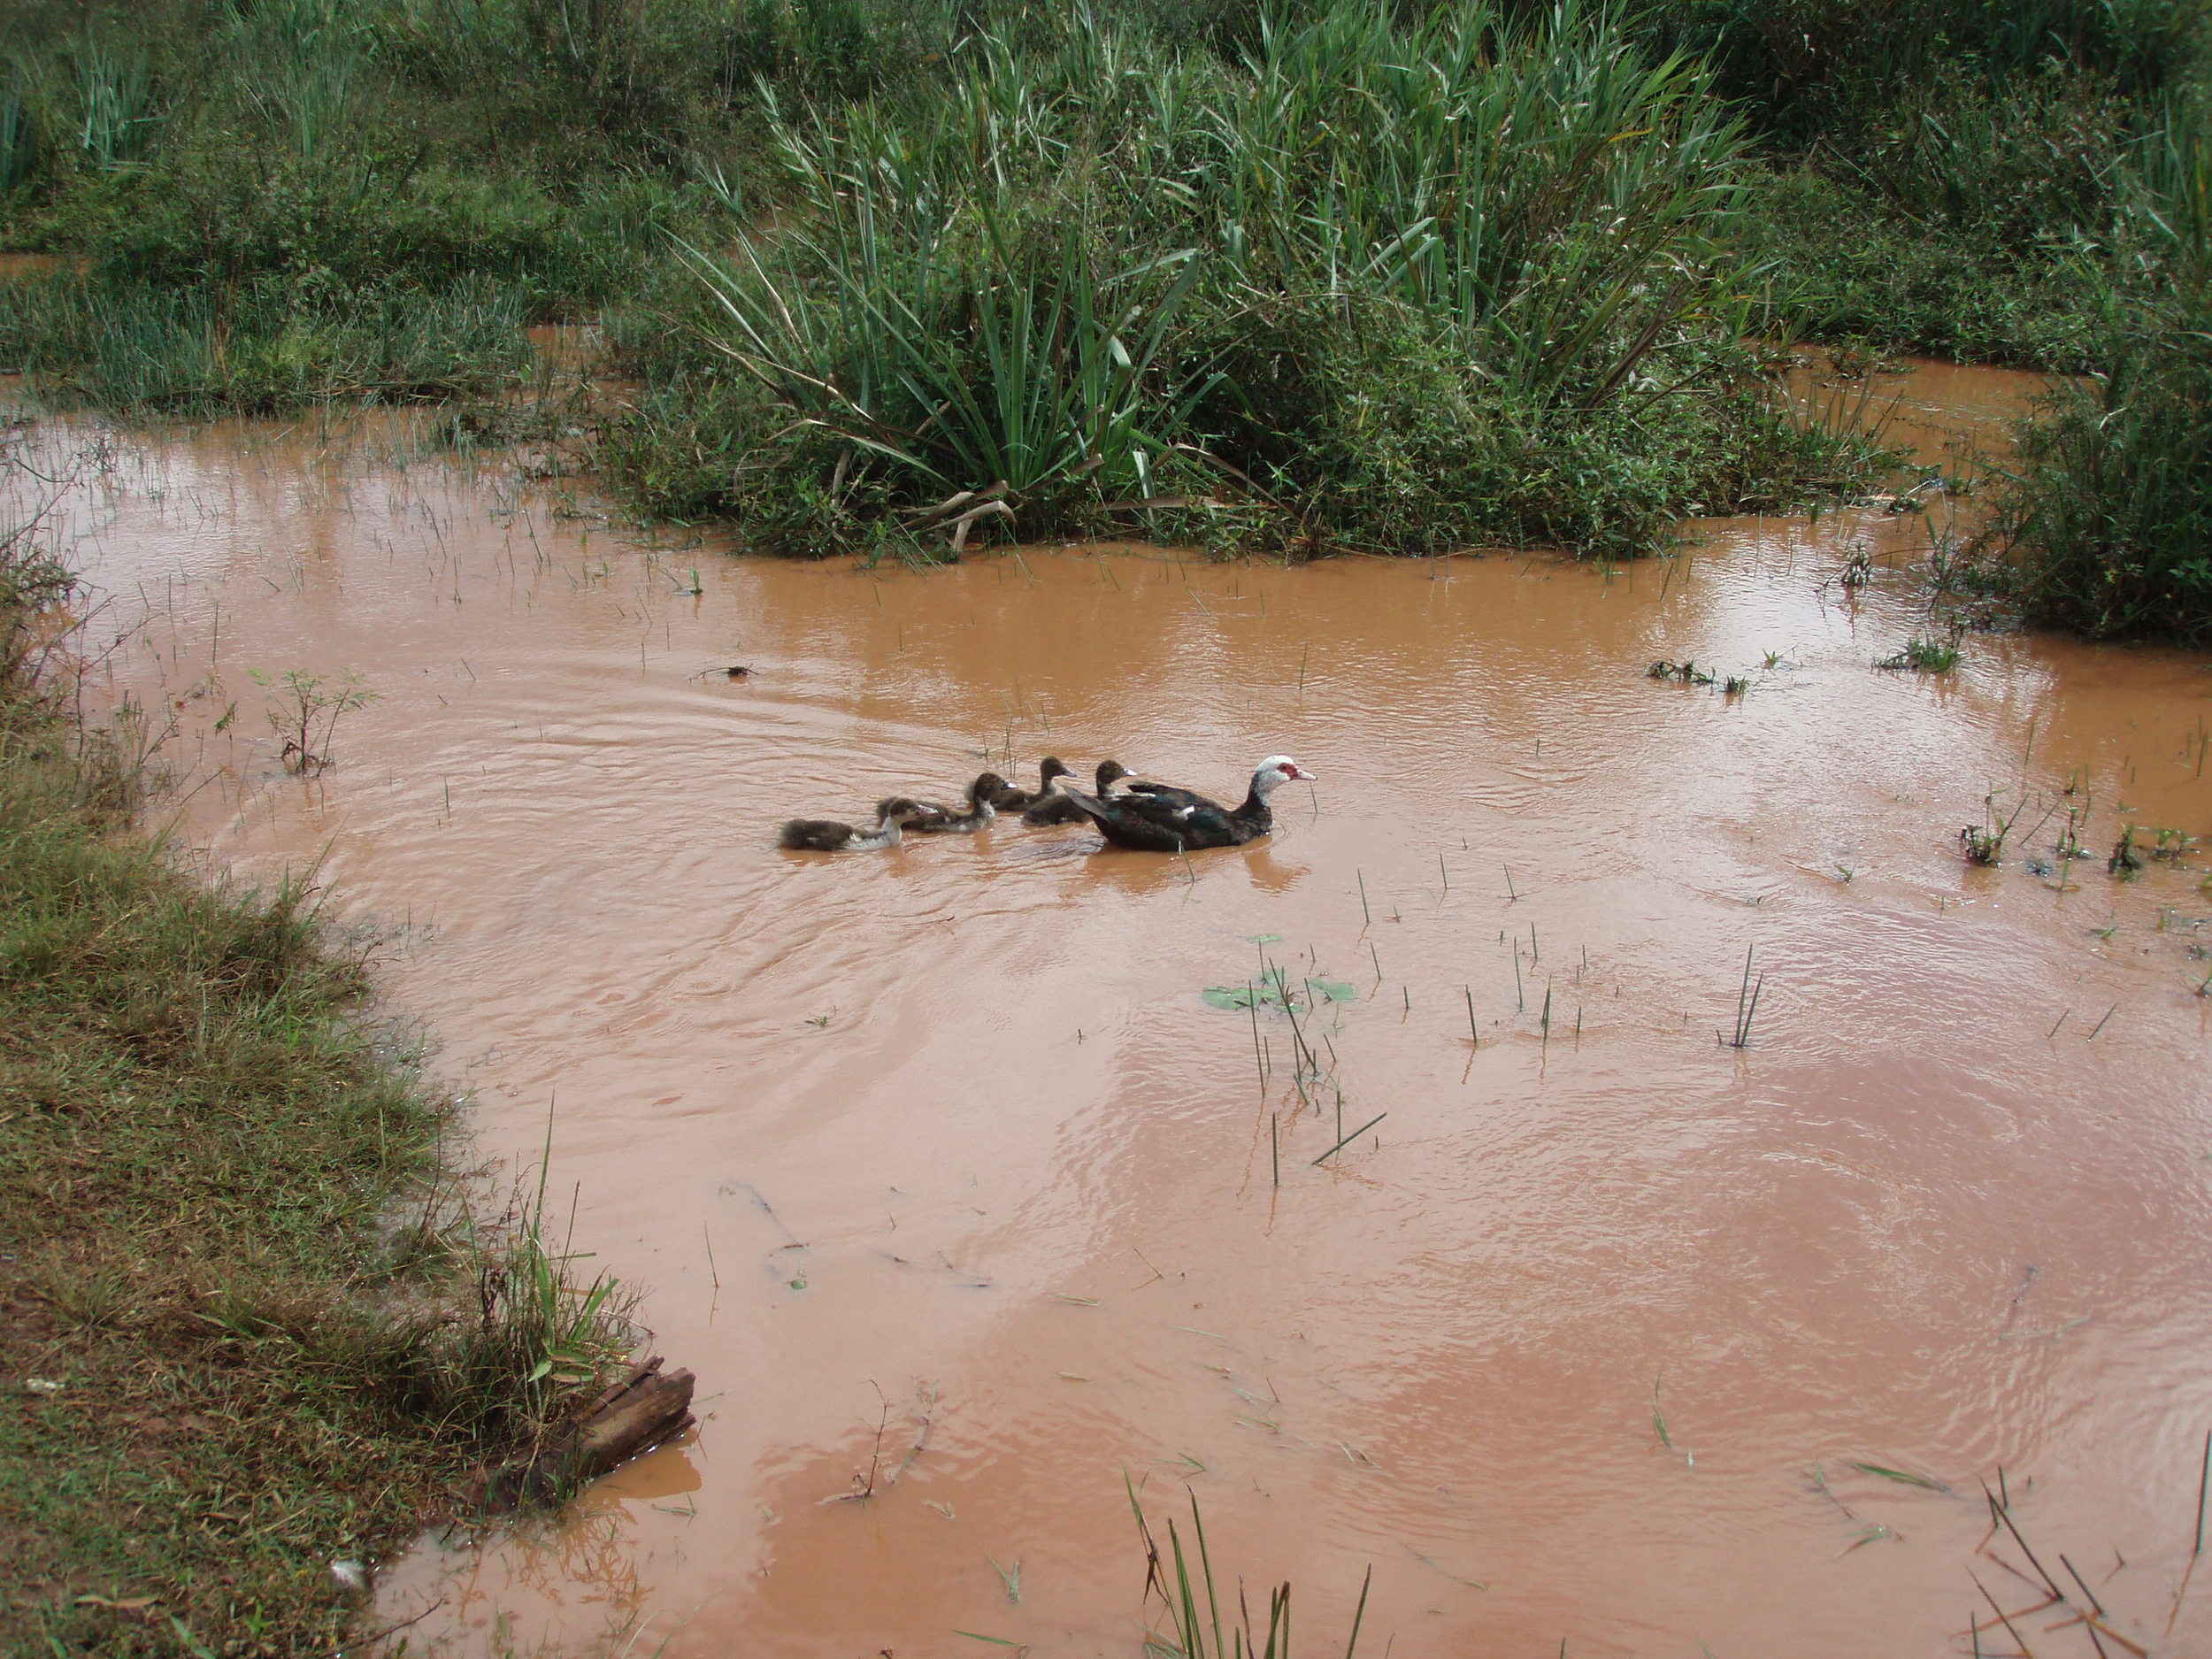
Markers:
<point>40,1386</point>
<point>350,1575</point>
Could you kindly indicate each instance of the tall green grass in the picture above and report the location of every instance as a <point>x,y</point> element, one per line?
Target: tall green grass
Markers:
<point>18,141</point>
<point>1390,283</point>
<point>116,111</point>
<point>2109,520</point>
<point>260,349</point>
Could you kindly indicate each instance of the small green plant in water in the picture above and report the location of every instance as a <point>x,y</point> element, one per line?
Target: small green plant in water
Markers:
<point>310,701</point>
<point>1199,1625</point>
<point>1924,654</point>
<point>1746,1004</point>
<point>1687,672</point>
<point>1984,843</point>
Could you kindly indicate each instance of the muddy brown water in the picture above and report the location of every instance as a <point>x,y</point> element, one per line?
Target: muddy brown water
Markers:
<point>1564,1346</point>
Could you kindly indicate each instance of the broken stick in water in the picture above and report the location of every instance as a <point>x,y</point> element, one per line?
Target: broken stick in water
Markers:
<point>629,1417</point>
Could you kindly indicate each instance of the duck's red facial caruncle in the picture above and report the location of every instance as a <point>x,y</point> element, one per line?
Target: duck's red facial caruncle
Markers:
<point>1286,767</point>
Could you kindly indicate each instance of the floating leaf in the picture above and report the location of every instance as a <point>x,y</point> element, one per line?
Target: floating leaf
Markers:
<point>1333,990</point>
<point>1273,990</point>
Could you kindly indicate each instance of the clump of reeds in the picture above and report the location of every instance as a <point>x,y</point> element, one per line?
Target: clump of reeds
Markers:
<point>1199,1624</point>
<point>1984,843</point>
<point>1377,311</point>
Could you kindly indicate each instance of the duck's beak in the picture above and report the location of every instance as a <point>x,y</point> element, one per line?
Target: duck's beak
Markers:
<point>1300,774</point>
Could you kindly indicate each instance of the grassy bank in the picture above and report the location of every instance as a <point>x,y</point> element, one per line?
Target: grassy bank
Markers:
<point>242,1336</point>
<point>1945,176</point>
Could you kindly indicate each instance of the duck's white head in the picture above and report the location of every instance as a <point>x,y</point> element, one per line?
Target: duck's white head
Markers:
<point>1275,770</point>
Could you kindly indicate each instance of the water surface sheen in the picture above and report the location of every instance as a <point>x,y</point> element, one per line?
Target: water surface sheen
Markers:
<point>950,1133</point>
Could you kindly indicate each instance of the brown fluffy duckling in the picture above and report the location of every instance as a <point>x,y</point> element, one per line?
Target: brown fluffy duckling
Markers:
<point>1012,798</point>
<point>827,835</point>
<point>1055,808</point>
<point>935,819</point>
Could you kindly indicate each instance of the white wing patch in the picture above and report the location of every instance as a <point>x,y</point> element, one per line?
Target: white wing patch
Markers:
<point>1186,812</point>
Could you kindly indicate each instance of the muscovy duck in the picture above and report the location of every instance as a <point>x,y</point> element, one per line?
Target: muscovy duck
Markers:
<point>1055,808</point>
<point>935,819</point>
<point>1162,819</point>
<point>1012,798</point>
<point>827,835</point>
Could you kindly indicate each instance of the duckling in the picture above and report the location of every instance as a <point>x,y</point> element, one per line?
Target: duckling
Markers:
<point>1011,798</point>
<point>934,819</point>
<point>1057,809</point>
<point>827,835</point>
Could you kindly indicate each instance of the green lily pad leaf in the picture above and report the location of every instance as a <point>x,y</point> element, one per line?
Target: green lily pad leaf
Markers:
<point>1333,990</point>
<point>1231,996</point>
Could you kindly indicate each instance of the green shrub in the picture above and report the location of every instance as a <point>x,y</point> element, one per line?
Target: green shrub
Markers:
<point>1839,264</point>
<point>1808,68</point>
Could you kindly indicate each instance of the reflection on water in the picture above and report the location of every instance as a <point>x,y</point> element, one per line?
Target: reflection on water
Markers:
<point>937,1162</point>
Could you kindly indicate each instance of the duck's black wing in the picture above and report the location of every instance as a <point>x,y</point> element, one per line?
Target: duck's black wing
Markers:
<point>1153,822</point>
<point>1166,791</point>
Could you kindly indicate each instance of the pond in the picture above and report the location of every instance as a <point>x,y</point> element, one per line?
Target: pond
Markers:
<point>1496,1265</point>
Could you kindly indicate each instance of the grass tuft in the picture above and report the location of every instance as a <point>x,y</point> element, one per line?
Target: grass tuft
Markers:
<point>1924,654</point>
